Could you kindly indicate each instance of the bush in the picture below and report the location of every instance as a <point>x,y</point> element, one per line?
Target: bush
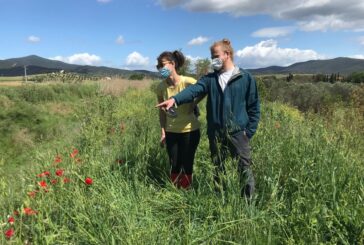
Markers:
<point>136,76</point>
<point>356,77</point>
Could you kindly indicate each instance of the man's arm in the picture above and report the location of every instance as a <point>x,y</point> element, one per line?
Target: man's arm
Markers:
<point>252,107</point>
<point>187,95</point>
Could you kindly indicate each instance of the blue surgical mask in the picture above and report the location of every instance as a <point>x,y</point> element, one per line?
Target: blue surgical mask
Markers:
<point>216,64</point>
<point>165,72</point>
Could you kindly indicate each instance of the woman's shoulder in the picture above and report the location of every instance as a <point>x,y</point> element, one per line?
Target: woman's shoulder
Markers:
<point>188,80</point>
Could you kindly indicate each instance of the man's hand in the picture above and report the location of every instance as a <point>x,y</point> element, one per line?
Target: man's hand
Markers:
<point>165,105</point>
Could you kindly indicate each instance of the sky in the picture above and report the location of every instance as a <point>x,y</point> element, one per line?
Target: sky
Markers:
<point>130,34</point>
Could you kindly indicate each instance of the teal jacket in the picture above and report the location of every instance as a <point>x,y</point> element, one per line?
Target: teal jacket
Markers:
<point>237,108</point>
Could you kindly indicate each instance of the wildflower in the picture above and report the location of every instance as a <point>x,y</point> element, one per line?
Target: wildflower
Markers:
<point>277,125</point>
<point>58,159</point>
<point>32,194</point>
<point>42,184</point>
<point>122,127</point>
<point>88,181</point>
<point>16,212</point>
<point>9,233</point>
<point>11,220</point>
<point>119,161</point>
<point>59,172</point>
<point>74,153</point>
<point>66,180</point>
<point>29,211</point>
<point>44,174</point>
<point>54,181</point>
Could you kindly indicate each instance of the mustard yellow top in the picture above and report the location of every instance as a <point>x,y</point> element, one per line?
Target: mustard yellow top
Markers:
<point>186,121</point>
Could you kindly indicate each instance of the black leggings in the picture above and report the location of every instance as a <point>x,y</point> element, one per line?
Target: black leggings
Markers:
<point>181,148</point>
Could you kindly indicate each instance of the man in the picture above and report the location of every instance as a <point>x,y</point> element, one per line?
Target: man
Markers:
<point>233,111</point>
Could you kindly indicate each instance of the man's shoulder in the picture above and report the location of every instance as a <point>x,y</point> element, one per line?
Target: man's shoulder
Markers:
<point>245,74</point>
<point>210,75</point>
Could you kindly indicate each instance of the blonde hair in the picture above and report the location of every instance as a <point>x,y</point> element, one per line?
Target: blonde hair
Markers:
<point>226,47</point>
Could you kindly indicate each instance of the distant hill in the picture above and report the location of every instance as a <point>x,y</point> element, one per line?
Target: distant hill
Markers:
<point>39,65</point>
<point>344,66</point>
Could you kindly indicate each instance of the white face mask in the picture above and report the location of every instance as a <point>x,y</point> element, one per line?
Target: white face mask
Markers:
<point>216,64</point>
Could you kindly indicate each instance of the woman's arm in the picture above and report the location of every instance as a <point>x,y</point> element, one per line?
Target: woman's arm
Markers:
<point>162,121</point>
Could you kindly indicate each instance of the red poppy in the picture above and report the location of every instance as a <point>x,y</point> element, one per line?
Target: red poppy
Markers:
<point>59,172</point>
<point>88,181</point>
<point>42,184</point>
<point>44,174</point>
<point>66,180</point>
<point>119,161</point>
<point>74,153</point>
<point>9,233</point>
<point>11,220</point>
<point>29,211</point>
<point>54,181</point>
<point>16,212</point>
<point>58,159</point>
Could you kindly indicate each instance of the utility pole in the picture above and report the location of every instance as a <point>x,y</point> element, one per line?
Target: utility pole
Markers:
<point>25,73</point>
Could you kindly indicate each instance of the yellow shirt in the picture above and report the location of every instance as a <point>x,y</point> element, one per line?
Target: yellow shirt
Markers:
<point>186,120</point>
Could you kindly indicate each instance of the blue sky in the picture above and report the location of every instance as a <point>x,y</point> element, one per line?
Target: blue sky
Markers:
<point>130,34</point>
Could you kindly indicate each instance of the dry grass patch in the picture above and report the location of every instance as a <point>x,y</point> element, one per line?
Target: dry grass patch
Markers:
<point>22,138</point>
<point>11,84</point>
<point>117,86</point>
<point>60,109</point>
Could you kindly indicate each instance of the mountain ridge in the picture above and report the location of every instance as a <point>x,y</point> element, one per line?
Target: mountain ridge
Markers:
<point>37,65</point>
<point>342,65</point>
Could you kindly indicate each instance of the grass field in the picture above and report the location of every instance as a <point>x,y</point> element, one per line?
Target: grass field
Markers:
<point>309,172</point>
<point>11,79</point>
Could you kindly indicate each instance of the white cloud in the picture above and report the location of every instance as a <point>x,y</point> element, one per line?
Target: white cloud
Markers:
<point>104,1</point>
<point>198,40</point>
<point>193,59</point>
<point>33,39</point>
<point>357,56</point>
<point>267,53</point>
<point>80,59</point>
<point>137,60</point>
<point>272,32</point>
<point>310,15</point>
<point>120,40</point>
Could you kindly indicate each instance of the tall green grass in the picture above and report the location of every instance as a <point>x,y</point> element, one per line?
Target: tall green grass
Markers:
<point>34,117</point>
<point>309,173</point>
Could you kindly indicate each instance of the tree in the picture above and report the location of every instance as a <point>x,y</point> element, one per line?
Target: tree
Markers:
<point>289,77</point>
<point>186,68</point>
<point>202,67</point>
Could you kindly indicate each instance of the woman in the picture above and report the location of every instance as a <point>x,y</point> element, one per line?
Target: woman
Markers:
<point>180,127</point>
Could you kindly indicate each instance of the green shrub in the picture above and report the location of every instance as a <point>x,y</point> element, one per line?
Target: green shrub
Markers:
<point>136,76</point>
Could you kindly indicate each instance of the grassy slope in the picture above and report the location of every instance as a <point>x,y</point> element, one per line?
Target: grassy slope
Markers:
<point>309,177</point>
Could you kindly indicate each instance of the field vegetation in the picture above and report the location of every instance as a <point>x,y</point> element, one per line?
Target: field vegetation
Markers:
<point>81,164</point>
